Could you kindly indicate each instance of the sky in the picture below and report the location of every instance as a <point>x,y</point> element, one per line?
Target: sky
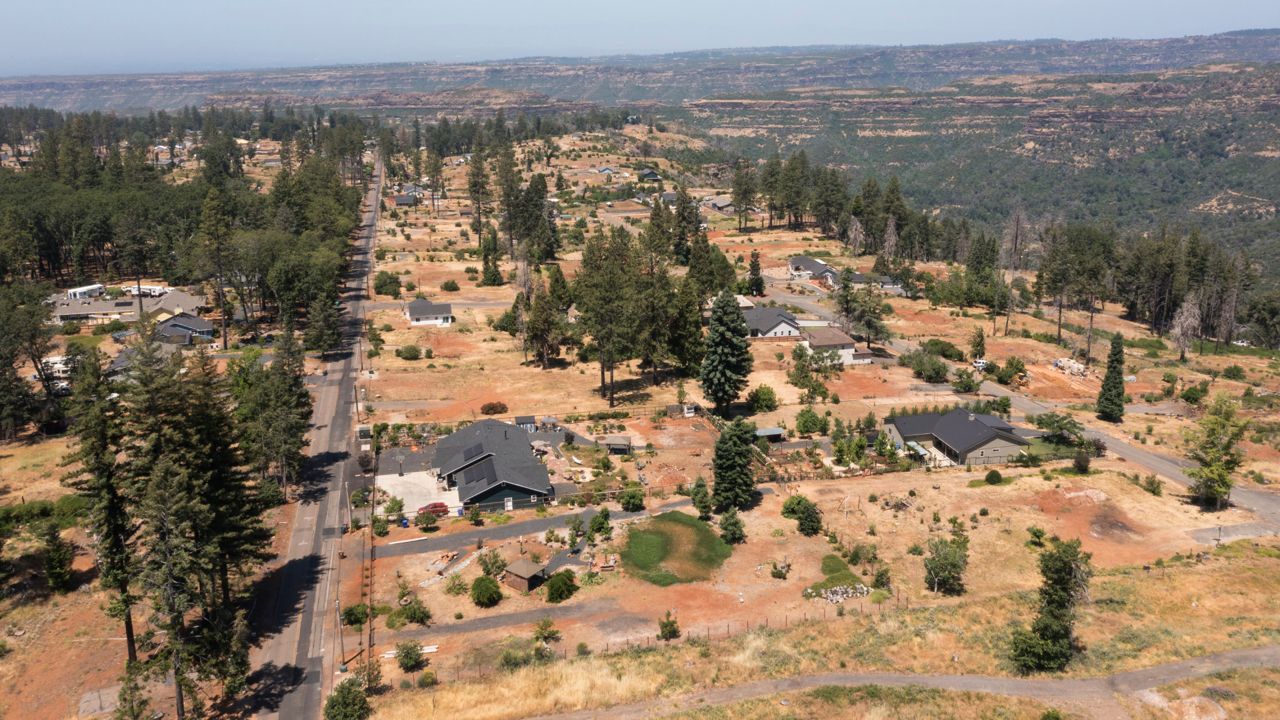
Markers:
<point>58,37</point>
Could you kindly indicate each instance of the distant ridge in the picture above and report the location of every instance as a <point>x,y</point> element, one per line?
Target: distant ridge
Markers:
<point>671,78</point>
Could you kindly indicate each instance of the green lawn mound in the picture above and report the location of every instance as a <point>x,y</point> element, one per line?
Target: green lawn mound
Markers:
<point>673,548</point>
<point>837,572</point>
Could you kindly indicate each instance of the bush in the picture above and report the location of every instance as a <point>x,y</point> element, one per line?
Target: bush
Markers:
<point>70,327</point>
<point>355,615</point>
<point>347,702</point>
<point>409,655</point>
<point>427,679</point>
<point>493,408</point>
<point>449,286</point>
<point>1081,461</point>
<point>668,628</point>
<point>492,564</point>
<point>994,477</point>
<point>965,382</point>
<point>935,346</point>
<point>425,521</point>
<point>409,352</point>
<point>455,585</point>
<point>632,499</point>
<point>385,283</point>
<point>561,587</point>
<point>485,592</point>
<point>114,326</point>
<point>763,399</point>
<point>1233,372</point>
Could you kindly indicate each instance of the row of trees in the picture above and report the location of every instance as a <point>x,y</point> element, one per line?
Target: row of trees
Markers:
<point>175,513</point>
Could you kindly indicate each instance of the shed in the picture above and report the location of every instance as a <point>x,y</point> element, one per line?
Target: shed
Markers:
<point>772,434</point>
<point>526,422</point>
<point>616,444</point>
<point>524,575</point>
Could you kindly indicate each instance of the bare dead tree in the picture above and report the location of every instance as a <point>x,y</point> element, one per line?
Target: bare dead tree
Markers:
<point>1186,324</point>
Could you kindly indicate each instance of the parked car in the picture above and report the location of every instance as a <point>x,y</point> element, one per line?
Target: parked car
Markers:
<point>438,509</point>
<point>980,363</point>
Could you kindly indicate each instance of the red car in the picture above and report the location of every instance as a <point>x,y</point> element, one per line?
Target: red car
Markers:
<point>438,509</point>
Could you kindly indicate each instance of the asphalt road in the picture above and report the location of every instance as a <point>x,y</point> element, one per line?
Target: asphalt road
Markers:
<point>296,659</point>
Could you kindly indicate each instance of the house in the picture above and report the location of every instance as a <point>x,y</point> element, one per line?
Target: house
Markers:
<point>424,312</point>
<point>492,462</point>
<point>183,329</point>
<point>648,175</point>
<point>524,575</point>
<point>771,322</point>
<point>835,339</point>
<point>86,292</point>
<point>528,423</point>
<point>411,189</point>
<point>406,200</point>
<point>102,310</point>
<point>804,267</point>
<point>721,204</point>
<point>958,437</point>
<point>605,171</point>
<point>668,197</point>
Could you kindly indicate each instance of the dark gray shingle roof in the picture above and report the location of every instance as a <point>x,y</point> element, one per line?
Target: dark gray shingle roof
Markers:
<point>489,453</point>
<point>422,307</point>
<point>959,429</point>
<point>764,319</point>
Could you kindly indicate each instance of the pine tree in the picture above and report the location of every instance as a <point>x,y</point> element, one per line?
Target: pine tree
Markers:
<point>701,498</point>
<point>558,289</point>
<point>744,191</point>
<point>651,312</point>
<point>544,332</point>
<point>603,290</point>
<point>478,189</point>
<point>1050,644</point>
<point>734,484</point>
<point>323,324</point>
<point>978,343</point>
<point>728,360</point>
<point>685,224</point>
<point>755,279</point>
<point>731,528</point>
<point>1111,396</point>
<point>58,556</point>
<point>99,478</point>
<point>685,341</point>
<point>131,701</point>
<point>1214,446</point>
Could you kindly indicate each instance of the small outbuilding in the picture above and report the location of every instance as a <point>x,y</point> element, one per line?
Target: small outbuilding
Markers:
<point>772,434</point>
<point>524,575</point>
<point>617,444</point>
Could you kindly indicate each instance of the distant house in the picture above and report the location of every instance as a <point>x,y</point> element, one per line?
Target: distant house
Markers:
<point>830,338</point>
<point>605,171</point>
<point>804,267</point>
<point>490,462</point>
<point>411,189</point>
<point>183,329</point>
<point>668,197</point>
<point>99,310</point>
<point>771,322</point>
<point>406,200</point>
<point>424,312</point>
<point>648,175</point>
<point>958,437</point>
<point>721,204</point>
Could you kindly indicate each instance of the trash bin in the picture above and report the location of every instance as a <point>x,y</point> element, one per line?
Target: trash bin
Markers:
<point>404,522</point>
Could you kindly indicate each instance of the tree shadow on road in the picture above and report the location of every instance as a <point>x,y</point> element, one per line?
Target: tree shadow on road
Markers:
<point>265,691</point>
<point>280,592</point>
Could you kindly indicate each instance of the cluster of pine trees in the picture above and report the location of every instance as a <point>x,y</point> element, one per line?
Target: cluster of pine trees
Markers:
<point>174,511</point>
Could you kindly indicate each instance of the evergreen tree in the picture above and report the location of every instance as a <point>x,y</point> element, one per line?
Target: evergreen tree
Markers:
<point>131,701</point>
<point>58,556</point>
<point>686,222</point>
<point>544,332</point>
<point>491,274</point>
<point>481,194</point>
<point>708,267</point>
<point>558,289</point>
<point>1111,396</point>
<point>701,498</point>
<point>651,312</point>
<point>744,191</point>
<point>685,339</point>
<point>731,528</point>
<point>728,360</point>
<point>755,279</point>
<point>1050,644</point>
<point>99,478</point>
<point>348,702</point>
<point>735,484</point>
<point>978,343</point>
<point>323,324</point>
<point>603,290</point>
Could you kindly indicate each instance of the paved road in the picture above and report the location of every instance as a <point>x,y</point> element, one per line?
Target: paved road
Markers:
<point>297,654</point>
<point>1095,697</point>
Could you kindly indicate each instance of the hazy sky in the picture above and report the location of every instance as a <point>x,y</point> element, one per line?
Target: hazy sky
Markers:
<point>110,36</point>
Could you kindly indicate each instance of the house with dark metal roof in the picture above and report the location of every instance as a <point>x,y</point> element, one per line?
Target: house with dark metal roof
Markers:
<point>771,322</point>
<point>958,437</point>
<point>804,267</point>
<point>406,200</point>
<point>490,462</point>
<point>648,175</point>
<point>183,329</point>
<point>424,312</point>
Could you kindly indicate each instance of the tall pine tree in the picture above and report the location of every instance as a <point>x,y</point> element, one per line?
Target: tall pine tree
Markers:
<point>734,484</point>
<point>727,361</point>
<point>1111,396</point>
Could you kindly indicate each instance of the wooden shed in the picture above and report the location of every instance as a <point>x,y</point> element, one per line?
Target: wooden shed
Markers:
<point>524,575</point>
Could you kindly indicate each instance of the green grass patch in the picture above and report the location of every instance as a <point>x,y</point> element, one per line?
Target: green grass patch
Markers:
<point>832,564</point>
<point>982,482</point>
<point>837,573</point>
<point>674,548</point>
<point>86,342</point>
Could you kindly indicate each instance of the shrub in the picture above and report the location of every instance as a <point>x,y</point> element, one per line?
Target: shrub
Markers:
<point>1081,461</point>
<point>385,283</point>
<point>492,564</point>
<point>668,628</point>
<point>763,399</point>
<point>731,528</point>
<point>935,346</point>
<point>409,352</point>
<point>561,586</point>
<point>965,382</point>
<point>347,702</point>
<point>632,499</point>
<point>425,521</point>
<point>883,580</point>
<point>493,408</point>
<point>1233,372</point>
<point>70,327</point>
<point>455,585</point>
<point>485,592</point>
<point>449,286</point>
<point>994,477</point>
<point>409,655</point>
<point>427,679</point>
<point>355,615</point>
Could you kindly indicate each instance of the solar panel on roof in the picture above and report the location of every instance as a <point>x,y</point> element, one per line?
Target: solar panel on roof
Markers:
<point>472,452</point>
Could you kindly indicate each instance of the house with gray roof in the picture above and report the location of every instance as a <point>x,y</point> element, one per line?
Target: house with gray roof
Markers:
<point>771,322</point>
<point>424,312</point>
<point>804,267</point>
<point>958,437</point>
<point>184,329</point>
<point>492,462</point>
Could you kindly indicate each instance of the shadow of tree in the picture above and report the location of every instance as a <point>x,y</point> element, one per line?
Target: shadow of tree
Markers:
<point>281,591</point>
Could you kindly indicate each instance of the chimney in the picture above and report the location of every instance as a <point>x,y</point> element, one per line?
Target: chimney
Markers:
<point>972,417</point>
